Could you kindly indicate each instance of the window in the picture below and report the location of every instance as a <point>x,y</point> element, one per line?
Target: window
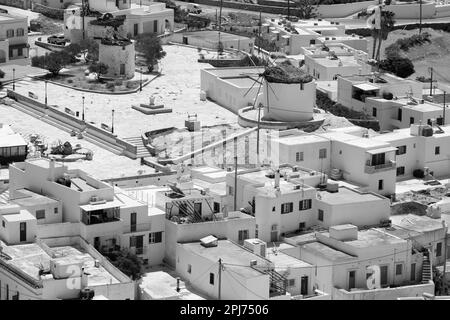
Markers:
<point>438,249</point>
<point>374,112</point>
<point>299,156</point>
<point>3,224</point>
<point>291,282</point>
<point>399,114</point>
<point>256,231</point>
<point>351,279</point>
<point>10,33</point>
<point>274,227</point>
<point>136,26</point>
<point>216,207</point>
<point>243,234</point>
<point>411,120</point>
<point>400,150</point>
<point>322,153</point>
<point>189,269</point>
<point>305,204</point>
<point>40,214</point>
<point>273,209</point>
<point>287,207</point>
<point>312,41</point>
<point>379,158</point>
<point>122,68</point>
<point>413,272</point>
<point>211,278</point>
<point>20,52</point>
<point>380,184</point>
<point>398,269</point>
<point>55,210</point>
<point>400,171</point>
<point>155,237</point>
<point>302,225</point>
<point>20,32</point>
<point>230,191</point>
<point>437,150</point>
<point>320,215</point>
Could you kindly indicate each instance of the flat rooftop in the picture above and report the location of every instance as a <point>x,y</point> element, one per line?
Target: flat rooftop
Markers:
<point>372,238</point>
<point>21,215</point>
<point>346,195</point>
<point>416,223</point>
<point>28,258</point>
<point>213,36</point>
<point>12,140</point>
<point>235,71</point>
<point>342,61</point>
<point>295,139</point>
<point>242,82</point>
<point>284,261</point>
<point>326,252</point>
<point>29,198</point>
<point>230,253</point>
<point>161,285</point>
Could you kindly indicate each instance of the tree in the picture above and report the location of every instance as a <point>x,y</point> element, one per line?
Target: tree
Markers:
<point>398,65</point>
<point>306,9</point>
<point>387,25</point>
<point>90,47</point>
<point>127,262</point>
<point>98,68</point>
<point>53,62</point>
<point>150,46</point>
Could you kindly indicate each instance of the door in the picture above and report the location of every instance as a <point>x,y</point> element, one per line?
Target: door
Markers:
<point>304,285</point>
<point>155,26</point>
<point>384,275</point>
<point>139,244</point>
<point>274,236</point>
<point>97,243</point>
<point>185,40</point>
<point>122,69</point>
<point>133,222</point>
<point>351,279</point>
<point>136,26</point>
<point>198,207</point>
<point>413,272</point>
<point>23,231</point>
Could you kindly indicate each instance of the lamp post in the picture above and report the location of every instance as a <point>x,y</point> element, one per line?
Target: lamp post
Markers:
<point>46,93</point>
<point>140,82</point>
<point>112,122</point>
<point>82,112</point>
<point>14,79</point>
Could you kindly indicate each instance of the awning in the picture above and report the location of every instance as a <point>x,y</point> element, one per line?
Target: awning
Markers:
<point>366,87</point>
<point>102,206</point>
<point>381,150</point>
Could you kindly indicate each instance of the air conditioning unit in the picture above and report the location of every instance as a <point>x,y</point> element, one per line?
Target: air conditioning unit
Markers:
<point>297,187</point>
<point>253,263</point>
<point>95,199</point>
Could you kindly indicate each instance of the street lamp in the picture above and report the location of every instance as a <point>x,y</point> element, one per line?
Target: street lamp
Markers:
<point>14,79</point>
<point>140,83</point>
<point>112,122</point>
<point>82,112</point>
<point>46,93</point>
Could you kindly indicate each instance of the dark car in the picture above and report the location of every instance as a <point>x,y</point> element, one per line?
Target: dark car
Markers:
<point>57,39</point>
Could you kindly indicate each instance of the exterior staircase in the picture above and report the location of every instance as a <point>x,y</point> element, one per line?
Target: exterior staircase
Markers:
<point>426,268</point>
<point>142,151</point>
<point>278,282</point>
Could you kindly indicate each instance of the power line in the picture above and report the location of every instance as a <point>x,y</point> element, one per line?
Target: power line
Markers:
<point>245,287</point>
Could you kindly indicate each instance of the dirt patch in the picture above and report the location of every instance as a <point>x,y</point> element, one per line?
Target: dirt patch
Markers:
<point>49,25</point>
<point>411,207</point>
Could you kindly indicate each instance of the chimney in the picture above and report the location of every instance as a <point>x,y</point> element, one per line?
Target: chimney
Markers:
<point>277,179</point>
<point>51,170</point>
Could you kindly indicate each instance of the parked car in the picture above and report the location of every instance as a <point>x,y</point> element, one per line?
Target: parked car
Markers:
<point>193,8</point>
<point>57,39</point>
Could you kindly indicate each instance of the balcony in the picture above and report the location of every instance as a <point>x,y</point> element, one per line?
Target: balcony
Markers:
<point>139,251</point>
<point>140,227</point>
<point>390,165</point>
<point>107,228</point>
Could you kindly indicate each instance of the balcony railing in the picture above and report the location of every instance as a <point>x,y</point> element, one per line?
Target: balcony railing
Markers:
<point>137,227</point>
<point>380,167</point>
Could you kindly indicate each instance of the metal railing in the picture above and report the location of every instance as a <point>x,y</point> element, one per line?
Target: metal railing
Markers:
<point>137,227</point>
<point>380,167</point>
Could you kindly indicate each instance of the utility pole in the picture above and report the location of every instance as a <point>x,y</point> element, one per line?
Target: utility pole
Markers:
<point>445,255</point>
<point>420,18</point>
<point>289,10</point>
<point>235,181</point>
<point>217,23</point>
<point>45,93</point>
<point>83,13</point>
<point>82,114</point>
<point>259,32</point>
<point>112,121</point>
<point>220,279</point>
<point>431,81</point>
<point>443,111</point>
<point>220,25</point>
<point>14,79</point>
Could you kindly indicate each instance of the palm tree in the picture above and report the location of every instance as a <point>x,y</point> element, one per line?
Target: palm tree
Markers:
<point>387,24</point>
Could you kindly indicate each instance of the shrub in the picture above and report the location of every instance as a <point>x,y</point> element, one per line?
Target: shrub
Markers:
<point>110,86</point>
<point>118,82</point>
<point>418,173</point>
<point>388,96</point>
<point>69,81</point>
<point>400,66</point>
